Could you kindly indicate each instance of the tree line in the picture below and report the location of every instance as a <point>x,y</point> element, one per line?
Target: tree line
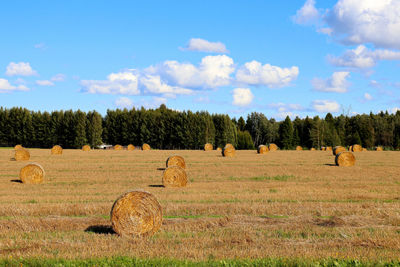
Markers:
<point>164,128</point>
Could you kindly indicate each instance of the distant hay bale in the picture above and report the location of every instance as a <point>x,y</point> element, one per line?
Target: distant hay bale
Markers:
<point>313,149</point>
<point>118,147</point>
<point>272,147</point>
<point>328,148</point>
<point>174,176</point>
<point>32,173</point>
<point>345,159</point>
<point>219,149</point>
<point>18,147</point>
<point>356,148</point>
<point>208,147</point>
<point>21,154</point>
<point>364,149</point>
<point>323,148</point>
<point>56,150</point>
<point>131,147</point>
<point>86,148</point>
<point>262,149</point>
<point>229,145</point>
<point>145,147</point>
<point>176,161</point>
<point>350,148</point>
<point>299,148</point>
<point>135,214</point>
<point>228,151</point>
<point>379,148</point>
<point>337,149</point>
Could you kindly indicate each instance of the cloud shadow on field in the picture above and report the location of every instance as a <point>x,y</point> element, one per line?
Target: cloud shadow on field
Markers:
<point>100,229</point>
<point>156,185</point>
<point>16,181</point>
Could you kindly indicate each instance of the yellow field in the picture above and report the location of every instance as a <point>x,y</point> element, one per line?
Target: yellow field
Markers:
<point>284,203</point>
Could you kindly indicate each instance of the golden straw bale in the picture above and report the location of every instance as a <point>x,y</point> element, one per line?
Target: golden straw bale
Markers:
<point>262,149</point>
<point>22,154</point>
<point>176,161</point>
<point>32,173</point>
<point>328,148</point>
<point>86,148</point>
<point>379,148</point>
<point>312,149</point>
<point>228,151</point>
<point>56,150</point>
<point>18,147</point>
<point>350,148</point>
<point>272,147</point>
<point>299,148</point>
<point>229,145</point>
<point>118,147</point>
<point>356,148</point>
<point>219,149</point>
<point>208,147</point>
<point>364,149</point>
<point>323,148</point>
<point>135,214</point>
<point>337,149</point>
<point>345,159</point>
<point>145,147</point>
<point>174,176</point>
<point>131,147</point>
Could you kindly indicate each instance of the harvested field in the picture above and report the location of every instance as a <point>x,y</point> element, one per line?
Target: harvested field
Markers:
<point>293,204</point>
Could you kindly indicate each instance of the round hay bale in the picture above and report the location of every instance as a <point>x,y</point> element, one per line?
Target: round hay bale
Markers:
<point>22,154</point>
<point>364,149</point>
<point>145,147</point>
<point>337,149</point>
<point>219,149</point>
<point>350,148</point>
<point>131,147</point>
<point>313,149</point>
<point>356,148</point>
<point>86,148</point>
<point>323,148</point>
<point>229,145</point>
<point>32,173</point>
<point>208,147</point>
<point>228,151</point>
<point>56,150</point>
<point>174,176</point>
<point>272,147</point>
<point>299,148</point>
<point>135,214</point>
<point>262,149</point>
<point>345,159</point>
<point>118,147</point>
<point>18,147</point>
<point>379,148</point>
<point>176,161</point>
<point>328,148</point>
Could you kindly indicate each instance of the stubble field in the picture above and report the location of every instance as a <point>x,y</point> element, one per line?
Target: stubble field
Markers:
<point>285,204</point>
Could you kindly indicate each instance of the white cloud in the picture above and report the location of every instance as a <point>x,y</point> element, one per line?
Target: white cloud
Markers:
<point>5,87</point>
<point>242,97</point>
<point>124,83</point>
<point>394,110</point>
<point>308,14</point>
<point>44,83</point>
<point>368,97</point>
<point>20,69</point>
<point>124,102</point>
<point>58,78</point>
<point>283,107</point>
<point>254,73</point>
<point>323,106</point>
<point>337,83</point>
<point>201,45</point>
<point>153,84</point>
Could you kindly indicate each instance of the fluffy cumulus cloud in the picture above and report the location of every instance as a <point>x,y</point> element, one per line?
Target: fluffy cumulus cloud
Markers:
<point>58,78</point>
<point>5,87</point>
<point>307,14</point>
<point>337,83</point>
<point>201,45</point>
<point>324,106</point>
<point>124,83</point>
<point>254,73</point>
<point>44,83</point>
<point>242,97</point>
<point>153,84</point>
<point>20,69</point>
<point>283,109</point>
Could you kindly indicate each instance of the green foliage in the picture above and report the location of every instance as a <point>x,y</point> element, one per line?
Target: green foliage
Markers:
<point>244,140</point>
<point>286,134</point>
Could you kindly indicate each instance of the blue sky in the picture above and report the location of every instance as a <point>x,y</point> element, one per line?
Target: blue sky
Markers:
<point>280,58</point>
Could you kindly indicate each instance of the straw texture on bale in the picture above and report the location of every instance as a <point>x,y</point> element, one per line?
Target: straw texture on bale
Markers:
<point>86,148</point>
<point>56,150</point>
<point>208,147</point>
<point>135,214</point>
<point>272,147</point>
<point>228,151</point>
<point>299,148</point>
<point>262,149</point>
<point>356,148</point>
<point>22,154</point>
<point>312,149</point>
<point>18,147</point>
<point>379,148</point>
<point>176,161</point>
<point>328,148</point>
<point>229,145</point>
<point>131,147</point>
<point>345,159</point>
<point>174,176</point>
<point>219,149</point>
<point>337,149</point>
<point>145,147</point>
<point>118,147</point>
<point>32,173</point>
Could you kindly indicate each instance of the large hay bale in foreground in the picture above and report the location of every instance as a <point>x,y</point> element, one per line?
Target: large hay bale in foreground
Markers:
<point>118,147</point>
<point>21,154</point>
<point>379,148</point>
<point>356,148</point>
<point>18,147</point>
<point>145,147</point>
<point>272,147</point>
<point>32,173</point>
<point>135,214</point>
<point>208,147</point>
<point>176,161</point>
<point>262,149</point>
<point>174,176</point>
<point>86,148</point>
<point>345,159</point>
<point>299,148</point>
<point>131,147</point>
<point>228,151</point>
<point>337,149</point>
<point>56,150</point>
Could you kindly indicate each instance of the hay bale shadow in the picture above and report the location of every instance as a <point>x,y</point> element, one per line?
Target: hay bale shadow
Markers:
<point>156,185</point>
<point>13,159</point>
<point>16,181</point>
<point>100,229</point>
<point>160,169</point>
<point>330,164</point>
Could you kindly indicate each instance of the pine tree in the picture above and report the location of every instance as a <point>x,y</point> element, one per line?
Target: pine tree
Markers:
<point>286,133</point>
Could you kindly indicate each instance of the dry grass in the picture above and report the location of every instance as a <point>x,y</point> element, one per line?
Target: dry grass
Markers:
<point>284,204</point>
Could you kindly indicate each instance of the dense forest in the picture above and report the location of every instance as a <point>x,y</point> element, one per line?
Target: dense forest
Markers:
<point>164,128</point>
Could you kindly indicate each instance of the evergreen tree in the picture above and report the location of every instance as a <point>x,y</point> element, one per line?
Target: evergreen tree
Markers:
<point>286,134</point>
<point>79,129</point>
